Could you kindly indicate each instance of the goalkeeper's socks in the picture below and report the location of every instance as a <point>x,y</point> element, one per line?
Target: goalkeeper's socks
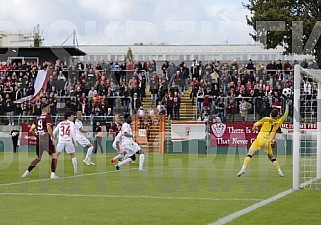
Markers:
<point>275,164</point>
<point>246,161</point>
<point>280,173</point>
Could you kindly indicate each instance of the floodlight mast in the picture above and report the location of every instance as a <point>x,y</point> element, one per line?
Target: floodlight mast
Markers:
<point>74,39</point>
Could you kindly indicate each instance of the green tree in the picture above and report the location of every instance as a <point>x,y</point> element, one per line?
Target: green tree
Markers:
<point>37,38</point>
<point>293,25</point>
<point>129,55</point>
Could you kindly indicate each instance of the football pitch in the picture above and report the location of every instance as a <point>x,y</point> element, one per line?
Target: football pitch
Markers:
<point>175,189</point>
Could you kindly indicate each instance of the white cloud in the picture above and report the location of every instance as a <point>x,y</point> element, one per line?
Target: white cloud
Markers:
<point>111,9</point>
<point>25,14</point>
<point>129,21</point>
<point>227,11</point>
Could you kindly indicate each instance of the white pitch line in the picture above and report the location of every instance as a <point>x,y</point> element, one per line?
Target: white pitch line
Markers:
<point>242,212</point>
<point>75,176</point>
<point>128,196</point>
<point>251,208</point>
<point>98,173</point>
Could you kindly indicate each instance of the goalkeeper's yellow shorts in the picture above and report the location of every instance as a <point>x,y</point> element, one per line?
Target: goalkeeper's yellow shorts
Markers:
<point>260,143</point>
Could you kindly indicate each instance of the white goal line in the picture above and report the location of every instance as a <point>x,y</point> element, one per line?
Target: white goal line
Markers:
<point>131,196</point>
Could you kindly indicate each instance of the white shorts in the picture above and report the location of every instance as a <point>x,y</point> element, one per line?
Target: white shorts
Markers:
<point>83,141</point>
<point>131,148</point>
<point>120,147</point>
<point>68,147</point>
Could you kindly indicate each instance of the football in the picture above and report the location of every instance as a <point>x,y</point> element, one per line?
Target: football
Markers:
<point>286,92</point>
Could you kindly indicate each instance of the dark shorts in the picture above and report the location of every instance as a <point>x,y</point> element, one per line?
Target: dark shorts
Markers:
<point>44,143</point>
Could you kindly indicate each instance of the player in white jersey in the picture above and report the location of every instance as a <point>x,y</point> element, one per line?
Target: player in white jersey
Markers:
<point>82,139</point>
<point>129,145</point>
<point>117,145</point>
<point>66,134</point>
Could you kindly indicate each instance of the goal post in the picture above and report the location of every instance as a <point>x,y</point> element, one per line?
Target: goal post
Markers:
<point>296,127</point>
<point>306,146</point>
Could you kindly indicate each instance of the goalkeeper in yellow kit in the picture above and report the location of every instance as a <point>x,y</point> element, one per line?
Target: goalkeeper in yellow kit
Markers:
<point>264,138</point>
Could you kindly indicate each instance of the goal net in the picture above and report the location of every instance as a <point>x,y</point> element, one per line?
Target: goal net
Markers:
<point>306,129</point>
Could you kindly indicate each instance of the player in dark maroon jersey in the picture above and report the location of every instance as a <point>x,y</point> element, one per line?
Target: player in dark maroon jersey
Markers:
<point>42,128</point>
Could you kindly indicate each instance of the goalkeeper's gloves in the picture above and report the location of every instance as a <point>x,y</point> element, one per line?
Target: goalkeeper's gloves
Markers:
<point>288,102</point>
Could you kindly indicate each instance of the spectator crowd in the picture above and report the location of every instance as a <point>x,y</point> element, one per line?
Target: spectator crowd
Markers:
<point>219,89</point>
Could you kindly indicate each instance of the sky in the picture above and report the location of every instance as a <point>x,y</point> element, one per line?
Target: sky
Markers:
<point>123,22</point>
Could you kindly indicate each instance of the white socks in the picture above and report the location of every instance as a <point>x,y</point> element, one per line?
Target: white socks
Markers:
<point>74,163</point>
<point>124,162</point>
<point>141,161</point>
<point>25,174</point>
<point>126,156</point>
<point>89,152</point>
<point>119,156</point>
<point>129,160</point>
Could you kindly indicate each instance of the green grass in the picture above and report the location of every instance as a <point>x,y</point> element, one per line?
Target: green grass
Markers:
<point>176,189</point>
